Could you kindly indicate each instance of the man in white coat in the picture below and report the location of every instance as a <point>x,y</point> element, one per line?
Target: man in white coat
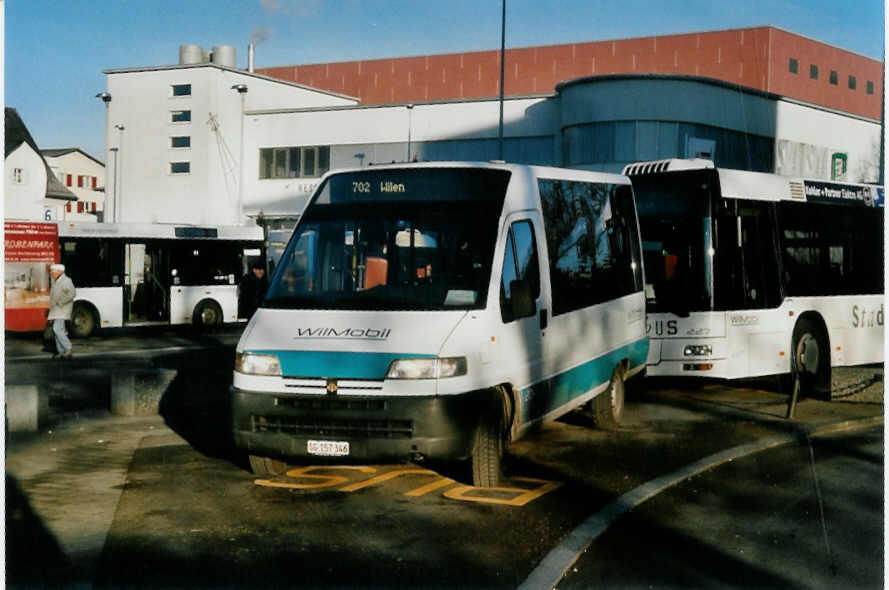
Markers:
<point>61,304</point>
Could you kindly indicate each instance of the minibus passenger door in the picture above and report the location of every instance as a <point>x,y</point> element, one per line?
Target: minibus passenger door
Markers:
<point>522,305</point>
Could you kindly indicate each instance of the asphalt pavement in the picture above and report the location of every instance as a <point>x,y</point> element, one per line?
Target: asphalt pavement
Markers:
<point>108,501</point>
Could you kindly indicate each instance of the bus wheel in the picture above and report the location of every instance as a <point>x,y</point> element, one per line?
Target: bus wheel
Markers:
<point>83,321</point>
<point>266,465</point>
<point>811,359</point>
<point>207,315</point>
<point>608,406</point>
<point>487,450</point>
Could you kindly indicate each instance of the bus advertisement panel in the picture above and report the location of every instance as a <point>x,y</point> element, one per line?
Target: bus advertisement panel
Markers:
<point>30,248</point>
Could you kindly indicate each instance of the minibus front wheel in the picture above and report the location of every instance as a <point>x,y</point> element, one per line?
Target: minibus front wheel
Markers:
<point>487,449</point>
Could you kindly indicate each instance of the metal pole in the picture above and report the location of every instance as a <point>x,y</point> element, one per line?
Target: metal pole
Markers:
<point>502,73</point>
<point>113,189</point>
<point>410,110</point>
<point>241,165</point>
<point>118,192</point>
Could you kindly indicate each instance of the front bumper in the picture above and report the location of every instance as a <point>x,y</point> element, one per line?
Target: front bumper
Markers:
<point>376,427</point>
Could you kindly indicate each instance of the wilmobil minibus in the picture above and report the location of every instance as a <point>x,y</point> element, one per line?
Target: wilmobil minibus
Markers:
<point>440,310</point>
<point>752,274</point>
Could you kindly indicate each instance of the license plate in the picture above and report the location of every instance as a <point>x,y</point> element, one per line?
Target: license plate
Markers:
<point>328,448</point>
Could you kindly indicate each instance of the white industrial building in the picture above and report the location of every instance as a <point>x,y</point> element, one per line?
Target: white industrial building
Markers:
<point>174,135</point>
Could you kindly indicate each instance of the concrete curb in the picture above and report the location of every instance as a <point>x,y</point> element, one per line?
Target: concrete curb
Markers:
<point>553,567</point>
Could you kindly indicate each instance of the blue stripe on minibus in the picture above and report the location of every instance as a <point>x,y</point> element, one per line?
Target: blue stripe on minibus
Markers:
<point>340,365</point>
<point>545,396</point>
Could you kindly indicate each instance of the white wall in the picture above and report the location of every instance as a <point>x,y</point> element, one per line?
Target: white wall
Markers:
<point>141,101</point>
<point>806,137</point>
<point>24,194</point>
<point>376,125</point>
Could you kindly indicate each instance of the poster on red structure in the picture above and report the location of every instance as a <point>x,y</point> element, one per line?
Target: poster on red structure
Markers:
<point>30,248</point>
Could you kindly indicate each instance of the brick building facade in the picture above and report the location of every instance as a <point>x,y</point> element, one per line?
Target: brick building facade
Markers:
<point>763,58</point>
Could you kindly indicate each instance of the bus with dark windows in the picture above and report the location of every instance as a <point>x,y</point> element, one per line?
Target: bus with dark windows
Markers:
<point>752,274</point>
<point>129,274</point>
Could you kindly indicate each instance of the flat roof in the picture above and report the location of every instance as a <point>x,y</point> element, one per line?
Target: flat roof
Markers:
<point>226,69</point>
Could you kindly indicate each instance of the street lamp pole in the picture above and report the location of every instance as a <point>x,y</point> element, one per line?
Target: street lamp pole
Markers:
<point>410,110</point>
<point>118,190</point>
<point>113,151</point>
<point>106,98</point>
<point>242,90</point>
<point>502,72</point>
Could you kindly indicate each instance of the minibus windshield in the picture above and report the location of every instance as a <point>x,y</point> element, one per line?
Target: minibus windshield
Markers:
<point>405,239</point>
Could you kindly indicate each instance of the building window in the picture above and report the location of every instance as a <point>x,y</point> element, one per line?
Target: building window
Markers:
<point>834,77</point>
<point>793,66</point>
<point>95,181</point>
<point>813,72</point>
<point>294,162</point>
<point>180,90</point>
<point>18,175</point>
<point>180,141</point>
<point>853,83</point>
<point>180,116</point>
<point>180,167</point>
<point>870,87</point>
<point>68,180</point>
<point>81,181</point>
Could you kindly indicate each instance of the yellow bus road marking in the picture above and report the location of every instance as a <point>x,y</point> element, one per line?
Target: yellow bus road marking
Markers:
<point>314,477</point>
<point>303,473</point>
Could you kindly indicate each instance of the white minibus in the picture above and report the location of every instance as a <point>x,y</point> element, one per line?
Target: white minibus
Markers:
<point>440,310</point>
<point>752,274</point>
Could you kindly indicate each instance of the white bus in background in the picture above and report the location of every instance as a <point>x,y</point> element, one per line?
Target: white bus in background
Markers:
<point>153,274</point>
<point>751,274</point>
<point>440,310</point>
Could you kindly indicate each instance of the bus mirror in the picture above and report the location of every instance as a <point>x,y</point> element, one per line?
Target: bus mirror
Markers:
<point>522,299</point>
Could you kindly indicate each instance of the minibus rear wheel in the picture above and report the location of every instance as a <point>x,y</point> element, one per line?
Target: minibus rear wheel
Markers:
<point>608,406</point>
<point>487,450</point>
<point>266,465</point>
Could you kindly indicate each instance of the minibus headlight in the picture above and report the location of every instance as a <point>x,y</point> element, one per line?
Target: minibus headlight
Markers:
<point>698,350</point>
<point>257,364</point>
<point>427,368</point>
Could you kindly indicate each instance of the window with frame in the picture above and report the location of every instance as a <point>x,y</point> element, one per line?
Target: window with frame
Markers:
<point>870,87</point>
<point>294,162</point>
<point>520,263</point>
<point>180,90</point>
<point>180,141</point>
<point>793,65</point>
<point>834,77</point>
<point>813,72</point>
<point>180,116</point>
<point>180,167</point>
<point>853,83</point>
<point>831,249</point>
<point>592,239</point>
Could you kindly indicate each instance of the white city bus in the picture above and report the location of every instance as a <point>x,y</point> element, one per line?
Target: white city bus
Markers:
<point>751,274</point>
<point>148,274</point>
<point>440,310</point>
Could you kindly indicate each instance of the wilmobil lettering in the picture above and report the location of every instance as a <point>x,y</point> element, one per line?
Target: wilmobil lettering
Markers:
<point>357,333</point>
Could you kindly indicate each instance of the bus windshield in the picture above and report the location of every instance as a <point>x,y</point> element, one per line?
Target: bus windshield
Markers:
<point>407,239</point>
<point>675,223</point>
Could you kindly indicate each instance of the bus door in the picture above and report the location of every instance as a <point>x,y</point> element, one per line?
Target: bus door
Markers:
<point>146,294</point>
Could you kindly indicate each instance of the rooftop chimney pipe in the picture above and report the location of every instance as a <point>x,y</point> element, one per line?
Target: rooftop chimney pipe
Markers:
<point>251,50</point>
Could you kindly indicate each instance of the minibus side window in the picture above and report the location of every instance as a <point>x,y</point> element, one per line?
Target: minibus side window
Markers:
<point>519,263</point>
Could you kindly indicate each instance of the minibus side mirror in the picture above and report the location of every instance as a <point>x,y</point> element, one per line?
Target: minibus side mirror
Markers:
<point>522,299</point>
